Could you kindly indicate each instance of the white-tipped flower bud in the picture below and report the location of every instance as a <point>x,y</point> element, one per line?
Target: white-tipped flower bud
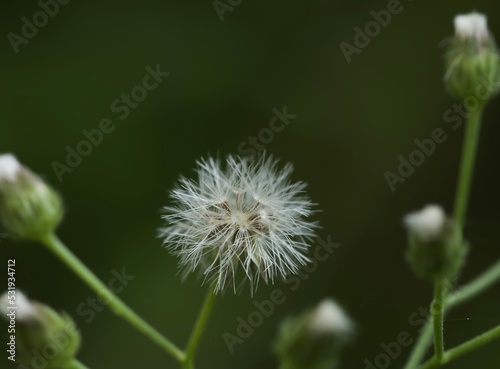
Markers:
<point>29,208</point>
<point>9,167</point>
<point>329,319</point>
<point>314,339</point>
<point>39,329</point>
<point>473,26</point>
<point>24,310</point>
<point>436,248</point>
<point>427,224</point>
<point>472,60</point>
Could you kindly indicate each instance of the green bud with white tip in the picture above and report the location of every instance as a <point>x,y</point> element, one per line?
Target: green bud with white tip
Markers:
<point>436,248</point>
<point>472,60</point>
<point>43,336</point>
<point>314,339</point>
<point>29,208</point>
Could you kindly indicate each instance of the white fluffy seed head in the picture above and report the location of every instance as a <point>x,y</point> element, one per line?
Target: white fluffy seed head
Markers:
<point>25,310</point>
<point>329,319</point>
<point>9,167</point>
<point>240,220</point>
<point>428,223</point>
<point>472,26</point>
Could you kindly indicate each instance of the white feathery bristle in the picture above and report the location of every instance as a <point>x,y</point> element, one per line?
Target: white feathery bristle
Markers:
<point>25,310</point>
<point>9,167</point>
<point>240,220</point>
<point>427,224</point>
<point>472,26</point>
<point>329,319</point>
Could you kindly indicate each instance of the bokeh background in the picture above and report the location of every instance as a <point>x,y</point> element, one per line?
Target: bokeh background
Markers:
<point>353,121</point>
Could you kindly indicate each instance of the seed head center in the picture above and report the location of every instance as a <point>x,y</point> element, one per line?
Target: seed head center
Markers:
<point>242,219</point>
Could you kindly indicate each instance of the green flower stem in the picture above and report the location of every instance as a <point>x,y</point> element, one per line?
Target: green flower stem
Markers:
<point>474,288</point>
<point>437,310</point>
<point>199,328</point>
<point>421,346</point>
<point>75,364</point>
<point>454,299</point>
<point>463,349</point>
<point>469,149</point>
<point>118,306</point>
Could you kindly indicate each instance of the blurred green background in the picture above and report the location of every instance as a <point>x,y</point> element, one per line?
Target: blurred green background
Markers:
<point>353,121</point>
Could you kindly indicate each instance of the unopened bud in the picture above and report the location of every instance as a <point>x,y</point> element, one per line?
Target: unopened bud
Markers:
<point>41,330</point>
<point>314,339</point>
<point>472,60</point>
<point>18,302</point>
<point>436,248</point>
<point>329,319</point>
<point>29,208</point>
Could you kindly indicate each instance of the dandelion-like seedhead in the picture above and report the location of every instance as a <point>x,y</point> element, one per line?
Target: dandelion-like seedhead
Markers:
<point>240,220</point>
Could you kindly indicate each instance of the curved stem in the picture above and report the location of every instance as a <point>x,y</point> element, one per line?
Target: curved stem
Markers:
<point>437,310</point>
<point>456,298</point>
<point>199,328</point>
<point>463,349</point>
<point>118,306</point>
<point>469,149</point>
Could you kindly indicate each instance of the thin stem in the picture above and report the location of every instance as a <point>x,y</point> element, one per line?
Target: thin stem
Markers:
<point>199,328</point>
<point>469,149</point>
<point>468,292</point>
<point>437,310</point>
<point>474,288</point>
<point>118,306</point>
<point>421,346</point>
<point>464,349</point>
